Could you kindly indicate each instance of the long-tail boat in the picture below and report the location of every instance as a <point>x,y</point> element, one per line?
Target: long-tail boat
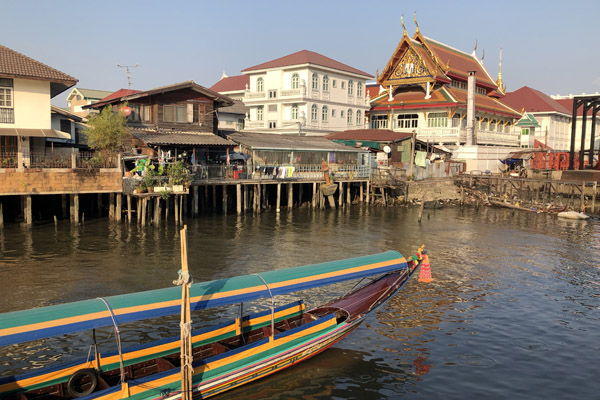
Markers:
<point>223,356</point>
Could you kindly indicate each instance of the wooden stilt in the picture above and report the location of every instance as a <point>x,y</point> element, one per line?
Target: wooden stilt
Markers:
<point>360,199</point>
<point>224,187</point>
<point>129,209</point>
<point>259,198</point>
<point>167,205</point>
<point>63,198</point>
<point>290,200</point>
<point>348,198</point>
<point>100,206</point>
<point>314,195</point>
<point>28,212</point>
<point>111,206</point>
<point>340,194</point>
<point>245,195</point>
<point>278,201</point>
<point>176,208</point>
<point>368,192</point>
<point>2,216</point>
<point>300,194</point>
<point>582,200</point>
<point>138,204</point>
<point>76,208</point>
<point>238,198</point>
<point>181,207</point>
<point>214,198</point>
<point>143,211</point>
<point>157,211</point>
<point>196,200</point>
<point>118,207</point>
<point>594,194</point>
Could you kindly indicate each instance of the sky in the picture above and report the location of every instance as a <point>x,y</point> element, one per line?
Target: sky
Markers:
<point>547,45</point>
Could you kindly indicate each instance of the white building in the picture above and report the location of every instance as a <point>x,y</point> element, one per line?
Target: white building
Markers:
<point>304,92</point>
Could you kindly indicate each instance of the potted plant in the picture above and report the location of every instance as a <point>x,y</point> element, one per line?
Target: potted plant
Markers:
<point>178,175</point>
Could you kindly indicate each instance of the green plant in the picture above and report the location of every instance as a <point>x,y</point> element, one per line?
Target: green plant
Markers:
<point>106,132</point>
<point>178,174</point>
<point>164,194</point>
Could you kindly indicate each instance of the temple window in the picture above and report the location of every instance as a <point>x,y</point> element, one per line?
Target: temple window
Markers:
<point>359,118</point>
<point>359,89</point>
<point>406,121</point>
<point>350,116</point>
<point>379,122</point>
<point>437,120</point>
<point>295,111</point>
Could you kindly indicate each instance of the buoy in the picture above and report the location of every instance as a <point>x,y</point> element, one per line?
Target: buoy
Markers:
<point>425,271</point>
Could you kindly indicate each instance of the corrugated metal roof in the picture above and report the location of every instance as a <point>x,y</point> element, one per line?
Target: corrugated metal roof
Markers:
<point>93,93</point>
<point>375,135</point>
<point>153,137</point>
<point>265,141</point>
<point>238,107</point>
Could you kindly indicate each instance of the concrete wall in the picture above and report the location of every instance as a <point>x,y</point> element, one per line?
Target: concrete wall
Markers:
<point>32,104</point>
<point>59,181</point>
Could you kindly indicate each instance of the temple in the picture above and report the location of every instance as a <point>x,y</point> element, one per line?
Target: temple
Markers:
<point>448,98</point>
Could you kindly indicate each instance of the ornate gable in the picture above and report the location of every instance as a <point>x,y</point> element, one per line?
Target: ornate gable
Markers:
<point>409,69</point>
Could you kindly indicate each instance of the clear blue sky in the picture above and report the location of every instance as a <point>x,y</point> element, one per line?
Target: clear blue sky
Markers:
<point>548,45</point>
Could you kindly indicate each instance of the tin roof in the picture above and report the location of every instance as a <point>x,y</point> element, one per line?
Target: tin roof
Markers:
<point>266,141</point>
<point>167,137</point>
<point>375,135</point>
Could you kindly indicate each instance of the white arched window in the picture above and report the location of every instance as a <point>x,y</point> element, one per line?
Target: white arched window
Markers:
<point>350,88</point>
<point>349,116</point>
<point>324,113</point>
<point>315,82</point>
<point>259,85</point>
<point>325,83</point>
<point>295,111</point>
<point>259,113</point>
<point>358,118</point>
<point>295,79</point>
<point>359,89</point>
<point>313,112</point>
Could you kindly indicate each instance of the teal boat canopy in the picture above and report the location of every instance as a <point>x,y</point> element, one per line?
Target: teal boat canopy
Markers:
<point>43,322</point>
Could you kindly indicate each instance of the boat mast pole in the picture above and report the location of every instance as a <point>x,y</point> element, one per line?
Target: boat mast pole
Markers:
<point>272,306</point>
<point>185,280</point>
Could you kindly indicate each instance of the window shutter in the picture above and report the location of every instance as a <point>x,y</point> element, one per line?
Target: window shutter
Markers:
<point>190,113</point>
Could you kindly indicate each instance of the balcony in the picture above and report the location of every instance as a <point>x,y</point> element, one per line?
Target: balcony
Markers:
<point>459,135</point>
<point>292,92</point>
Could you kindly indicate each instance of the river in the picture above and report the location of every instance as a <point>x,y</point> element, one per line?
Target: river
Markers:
<point>513,311</point>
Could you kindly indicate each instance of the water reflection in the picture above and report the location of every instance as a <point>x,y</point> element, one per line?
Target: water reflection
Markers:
<point>514,301</point>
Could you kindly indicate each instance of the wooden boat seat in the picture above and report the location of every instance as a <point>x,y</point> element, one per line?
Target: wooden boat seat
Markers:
<point>220,348</point>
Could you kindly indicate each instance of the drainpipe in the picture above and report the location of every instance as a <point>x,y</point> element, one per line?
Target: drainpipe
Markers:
<point>471,109</point>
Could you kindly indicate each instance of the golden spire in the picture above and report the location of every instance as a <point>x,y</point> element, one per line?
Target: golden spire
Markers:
<point>415,18</point>
<point>499,81</point>
<point>402,22</point>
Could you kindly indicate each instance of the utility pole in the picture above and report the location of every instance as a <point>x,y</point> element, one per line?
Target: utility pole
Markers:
<point>128,73</point>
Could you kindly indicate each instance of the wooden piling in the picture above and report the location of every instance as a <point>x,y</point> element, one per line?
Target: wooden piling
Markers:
<point>348,198</point>
<point>157,211</point>
<point>76,208</point>
<point>595,187</point>
<point>118,207</point>
<point>224,187</point>
<point>138,206</point>
<point>143,211</point>
<point>196,200</point>
<point>111,206</point>
<point>259,198</point>
<point>314,195</point>
<point>290,199</point>
<point>2,216</point>
<point>278,201</point>
<point>28,213</point>
<point>129,209</point>
<point>368,192</point>
<point>582,201</point>
<point>238,198</point>
<point>63,198</point>
<point>361,197</point>
<point>100,206</point>
<point>167,206</point>
<point>214,197</point>
<point>340,194</point>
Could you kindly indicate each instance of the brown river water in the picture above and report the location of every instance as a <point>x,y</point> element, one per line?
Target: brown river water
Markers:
<point>513,311</point>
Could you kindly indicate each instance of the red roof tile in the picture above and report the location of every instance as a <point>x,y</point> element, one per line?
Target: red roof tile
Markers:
<point>13,63</point>
<point>534,101</point>
<point>376,135</point>
<point>485,103</point>
<point>306,57</point>
<point>231,83</point>
<point>568,104</point>
<point>373,90</point>
<point>115,95</point>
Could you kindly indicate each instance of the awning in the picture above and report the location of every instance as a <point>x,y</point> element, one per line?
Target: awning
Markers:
<point>45,133</point>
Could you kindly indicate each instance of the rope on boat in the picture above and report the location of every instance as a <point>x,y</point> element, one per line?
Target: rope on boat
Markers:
<point>272,306</point>
<point>117,337</point>
<point>183,278</point>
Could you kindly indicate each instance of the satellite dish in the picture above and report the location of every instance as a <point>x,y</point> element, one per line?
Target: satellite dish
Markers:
<point>387,149</point>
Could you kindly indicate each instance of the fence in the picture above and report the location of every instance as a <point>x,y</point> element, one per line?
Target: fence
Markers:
<point>298,171</point>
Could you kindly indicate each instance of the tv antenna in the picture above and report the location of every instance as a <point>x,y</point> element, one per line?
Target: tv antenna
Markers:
<point>128,73</point>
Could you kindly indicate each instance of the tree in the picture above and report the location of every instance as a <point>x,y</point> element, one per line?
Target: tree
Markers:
<point>106,131</point>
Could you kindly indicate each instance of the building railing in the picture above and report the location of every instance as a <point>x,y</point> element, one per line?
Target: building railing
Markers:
<point>255,95</point>
<point>254,124</point>
<point>283,172</point>
<point>292,92</point>
<point>50,160</point>
<point>86,159</point>
<point>441,135</point>
<point>9,159</point>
